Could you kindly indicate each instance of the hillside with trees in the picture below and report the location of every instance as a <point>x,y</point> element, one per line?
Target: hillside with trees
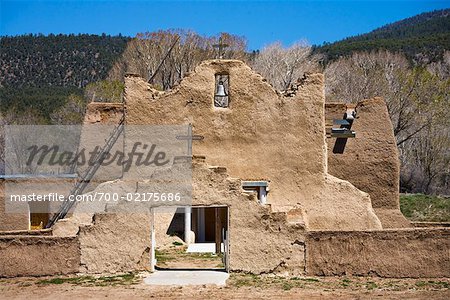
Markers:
<point>57,60</point>
<point>40,74</point>
<point>422,38</point>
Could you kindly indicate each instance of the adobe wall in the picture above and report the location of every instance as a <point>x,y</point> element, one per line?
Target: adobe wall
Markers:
<point>116,243</point>
<point>261,241</point>
<point>261,136</point>
<point>103,113</point>
<point>38,255</point>
<point>11,221</point>
<point>388,253</point>
<point>110,241</point>
<point>112,244</point>
<point>85,242</point>
<point>370,160</point>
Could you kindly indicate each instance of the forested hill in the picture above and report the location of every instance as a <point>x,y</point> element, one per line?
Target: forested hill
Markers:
<point>422,38</point>
<point>57,60</point>
<point>44,76</point>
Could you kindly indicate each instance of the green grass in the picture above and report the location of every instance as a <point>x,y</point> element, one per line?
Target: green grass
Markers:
<point>177,253</point>
<point>240,280</point>
<point>370,285</point>
<point>162,257</point>
<point>435,284</point>
<point>123,279</point>
<point>424,208</point>
<point>307,279</point>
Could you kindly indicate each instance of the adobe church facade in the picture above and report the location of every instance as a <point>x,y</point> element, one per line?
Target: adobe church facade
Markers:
<point>260,135</point>
<point>265,157</point>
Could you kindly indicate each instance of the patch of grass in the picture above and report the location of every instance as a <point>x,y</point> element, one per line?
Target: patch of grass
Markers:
<point>287,286</point>
<point>421,283</point>
<point>370,285</point>
<point>433,284</point>
<point>176,243</point>
<point>52,281</point>
<point>162,257</point>
<point>261,281</point>
<point>61,280</point>
<point>123,279</point>
<point>240,280</point>
<point>307,279</point>
<point>333,284</point>
<point>444,284</point>
<point>346,282</point>
<point>425,208</point>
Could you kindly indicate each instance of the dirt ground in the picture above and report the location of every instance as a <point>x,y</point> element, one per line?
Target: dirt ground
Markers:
<point>239,286</point>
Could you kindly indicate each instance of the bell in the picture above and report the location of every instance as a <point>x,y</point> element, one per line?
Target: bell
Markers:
<point>220,90</point>
<point>350,114</point>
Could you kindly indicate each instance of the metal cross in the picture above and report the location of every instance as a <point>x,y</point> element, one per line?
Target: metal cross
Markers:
<point>220,46</point>
<point>190,137</point>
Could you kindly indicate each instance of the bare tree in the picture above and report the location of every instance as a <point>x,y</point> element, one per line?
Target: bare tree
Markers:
<point>15,159</point>
<point>148,52</point>
<point>71,113</point>
<point>442,67</point>
<point>418,102</point>
<point>363,75</point>
<point>426,159</point>
<point>283,66</point>
<point>413,95</point>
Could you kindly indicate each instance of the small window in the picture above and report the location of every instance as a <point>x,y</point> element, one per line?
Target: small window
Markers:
<point>221,96</point>
<point>259,187</point>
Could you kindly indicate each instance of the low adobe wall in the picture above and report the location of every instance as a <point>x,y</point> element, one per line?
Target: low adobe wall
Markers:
<point>10,221</point>
<point>110,243</point>
<point>38,255</point>
<point>389,253</point>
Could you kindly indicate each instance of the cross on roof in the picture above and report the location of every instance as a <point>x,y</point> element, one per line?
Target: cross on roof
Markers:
<point>220,46</point>
<point>190,137</point>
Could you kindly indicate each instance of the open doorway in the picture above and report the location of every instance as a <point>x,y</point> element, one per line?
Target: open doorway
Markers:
<point>194,238</point>
<point>39,215</point>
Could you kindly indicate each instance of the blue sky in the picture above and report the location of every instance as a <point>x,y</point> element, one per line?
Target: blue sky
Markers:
<point>261,22</point>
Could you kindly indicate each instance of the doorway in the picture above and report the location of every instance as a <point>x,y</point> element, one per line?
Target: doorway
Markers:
<point>200,238</point>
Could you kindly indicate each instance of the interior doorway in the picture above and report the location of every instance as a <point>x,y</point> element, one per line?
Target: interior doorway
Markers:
<point>199,239</point>
<point>39,216</point>
<point>209,224</point>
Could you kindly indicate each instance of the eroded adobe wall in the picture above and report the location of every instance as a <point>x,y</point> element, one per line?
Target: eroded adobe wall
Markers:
<point>110,241</point>
<point>254,138</point>
<point>370,160</point>
<point>103,113</point>
<point>38,255</point>
<point>104,243</point>
<point>11,221</point>
<point>261,241</point>
<point>389,253</point>
<point>261,136</point>
<point>116,243</point>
